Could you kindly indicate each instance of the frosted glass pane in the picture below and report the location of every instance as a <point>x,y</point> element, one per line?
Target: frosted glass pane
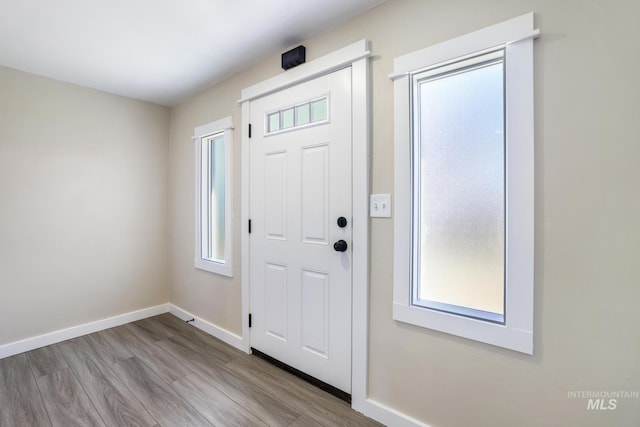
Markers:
<point>287,118</point>
<point>302,114</point>
<point>461,199</point>
<point>319,110</point>
<point>216,205</point>
<point>274,122</point>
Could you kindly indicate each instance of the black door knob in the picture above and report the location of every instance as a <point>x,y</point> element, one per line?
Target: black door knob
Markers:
<point>342,222</point>
<point>340,246</point>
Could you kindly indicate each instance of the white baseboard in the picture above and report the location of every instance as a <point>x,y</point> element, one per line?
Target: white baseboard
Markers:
<point>54,337</point>
<point>216,331</point>
<point>386,415</point>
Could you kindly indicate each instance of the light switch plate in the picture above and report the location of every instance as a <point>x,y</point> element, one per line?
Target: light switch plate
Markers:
<point>380,205</point>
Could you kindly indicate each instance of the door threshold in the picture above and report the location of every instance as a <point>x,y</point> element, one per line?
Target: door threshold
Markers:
<point>342,395</point>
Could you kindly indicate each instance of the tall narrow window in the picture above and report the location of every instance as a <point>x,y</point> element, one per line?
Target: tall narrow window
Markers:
<point>213,201</point>
<point>213,197</point>
<point>458,173</point>
<point>464,200</point>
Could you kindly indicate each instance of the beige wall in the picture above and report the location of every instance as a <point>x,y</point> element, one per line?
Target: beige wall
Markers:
<point>587,100</point>
<point>83,205</point>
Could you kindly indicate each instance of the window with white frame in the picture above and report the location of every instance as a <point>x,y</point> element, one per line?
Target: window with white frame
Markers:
<point>464,186</point>
<point>213,148</point>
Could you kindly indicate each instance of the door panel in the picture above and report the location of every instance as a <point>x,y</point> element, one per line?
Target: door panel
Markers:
<point>300,184</point>
<point>315,194</point>
<point>315,312</point>
<point>275,211</point>
<point>275,284</point>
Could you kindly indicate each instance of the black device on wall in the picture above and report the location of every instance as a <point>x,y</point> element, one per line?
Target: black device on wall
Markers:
<point>293,57</point>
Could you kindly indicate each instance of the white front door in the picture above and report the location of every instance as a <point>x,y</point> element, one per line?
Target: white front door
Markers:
<point>300,206</point>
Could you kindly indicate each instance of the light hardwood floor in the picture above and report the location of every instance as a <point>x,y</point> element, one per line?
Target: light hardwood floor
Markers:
<point>158,372</point>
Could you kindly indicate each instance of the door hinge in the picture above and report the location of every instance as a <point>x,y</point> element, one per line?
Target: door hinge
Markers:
<point>249,319</point>
<point>249,130</point>
<point>249,226</point>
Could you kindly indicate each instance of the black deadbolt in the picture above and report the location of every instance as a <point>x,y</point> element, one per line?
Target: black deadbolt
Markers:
<point>340,246</point>
<point>342,222</point>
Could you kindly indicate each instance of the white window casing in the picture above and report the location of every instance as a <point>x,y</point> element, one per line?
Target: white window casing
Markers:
<point>206,173</point>
<point>516,37</point>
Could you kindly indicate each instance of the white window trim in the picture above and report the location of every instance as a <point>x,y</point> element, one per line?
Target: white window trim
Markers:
<point>223,125</point>
<point>516,35</point>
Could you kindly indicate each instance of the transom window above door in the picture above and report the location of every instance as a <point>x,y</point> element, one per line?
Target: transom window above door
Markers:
<point>313,112</point>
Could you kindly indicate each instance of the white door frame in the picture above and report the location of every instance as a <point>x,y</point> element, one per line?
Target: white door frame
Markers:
<point>356,56</point>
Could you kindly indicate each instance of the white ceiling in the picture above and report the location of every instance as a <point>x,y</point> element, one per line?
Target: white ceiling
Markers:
<point>161,51</point>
